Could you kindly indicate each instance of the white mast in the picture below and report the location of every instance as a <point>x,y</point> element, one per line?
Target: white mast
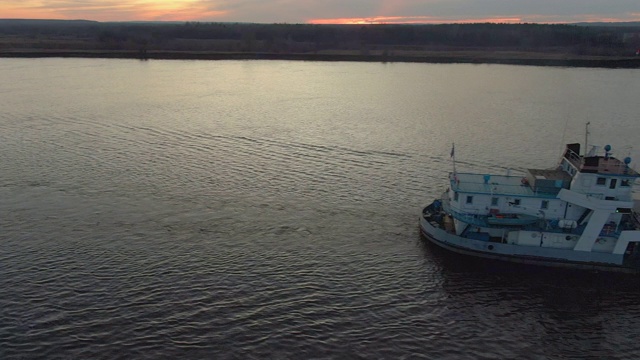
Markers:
<point>586,138</point>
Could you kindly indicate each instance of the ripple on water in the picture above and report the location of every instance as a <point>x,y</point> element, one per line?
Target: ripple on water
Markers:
<point>189,222</point>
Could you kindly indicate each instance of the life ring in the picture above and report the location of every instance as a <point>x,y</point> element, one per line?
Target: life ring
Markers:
<point>524,181</point>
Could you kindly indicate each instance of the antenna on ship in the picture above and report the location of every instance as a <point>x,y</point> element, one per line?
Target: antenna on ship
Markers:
<point>586,137</point>
<point>453,157</point>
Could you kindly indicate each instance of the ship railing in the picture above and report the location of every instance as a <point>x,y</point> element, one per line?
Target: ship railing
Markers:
<point>573,157</point>
<point>473,219</point>
<point>612,233</point>
<point>614,169</point>
<point>549,226</point>
<point>608,230</point>
<point>522,189</point>
<point>608,164</point>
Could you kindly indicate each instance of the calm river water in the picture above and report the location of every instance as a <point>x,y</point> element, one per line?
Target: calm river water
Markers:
<point>269,209</point>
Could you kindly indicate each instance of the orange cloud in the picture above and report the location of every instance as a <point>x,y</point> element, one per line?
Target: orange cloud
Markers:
<point>414,20</point>
<point>294,11</point>
<point>110,10</point>
<point>25,10</point>
<point>514,19</point>
<point>175,10</point>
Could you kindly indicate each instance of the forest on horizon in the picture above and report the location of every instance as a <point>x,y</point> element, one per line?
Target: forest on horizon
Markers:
<point>575,39</point>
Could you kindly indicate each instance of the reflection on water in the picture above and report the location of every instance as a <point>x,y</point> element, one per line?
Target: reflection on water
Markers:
<point>244,209</point>
<point>574,313</point>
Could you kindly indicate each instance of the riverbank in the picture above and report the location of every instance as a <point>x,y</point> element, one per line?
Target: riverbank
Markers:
<point>448,57</point>
<point>517,44</point>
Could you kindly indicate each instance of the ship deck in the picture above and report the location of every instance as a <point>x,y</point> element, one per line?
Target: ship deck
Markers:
<point>495,185</point>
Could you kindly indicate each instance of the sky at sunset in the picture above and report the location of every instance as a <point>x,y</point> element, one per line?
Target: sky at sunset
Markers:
<point>327,11</point>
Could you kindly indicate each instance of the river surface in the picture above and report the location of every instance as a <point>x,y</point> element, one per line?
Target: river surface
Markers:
<point>269,209</point>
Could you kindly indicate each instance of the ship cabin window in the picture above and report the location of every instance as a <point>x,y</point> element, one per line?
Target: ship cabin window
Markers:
<point>494,201</point>
<point>613,183</point>
<point>469,199</point>
<point>625,183</point>
<point>516,202</point>
<point>544,204</point>
<point>601,181</point>
<point>455,196</point>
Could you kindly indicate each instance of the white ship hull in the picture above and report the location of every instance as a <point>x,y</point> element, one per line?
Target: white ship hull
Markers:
<point>540,256</point>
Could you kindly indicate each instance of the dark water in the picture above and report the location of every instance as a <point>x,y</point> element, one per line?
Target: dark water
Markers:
<point>269,210</point>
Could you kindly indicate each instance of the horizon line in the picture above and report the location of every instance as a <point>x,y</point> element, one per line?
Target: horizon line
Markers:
<point>351,21</point>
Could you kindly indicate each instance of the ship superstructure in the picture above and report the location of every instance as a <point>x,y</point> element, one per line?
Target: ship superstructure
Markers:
<point>578,214</point>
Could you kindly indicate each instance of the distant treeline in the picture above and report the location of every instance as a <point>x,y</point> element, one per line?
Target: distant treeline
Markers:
<point>305,38</point>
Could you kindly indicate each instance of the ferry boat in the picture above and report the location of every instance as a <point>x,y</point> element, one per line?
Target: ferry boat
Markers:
<point>577,215</point>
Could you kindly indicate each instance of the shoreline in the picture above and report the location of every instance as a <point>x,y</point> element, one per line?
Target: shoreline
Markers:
<point>443,57</point>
